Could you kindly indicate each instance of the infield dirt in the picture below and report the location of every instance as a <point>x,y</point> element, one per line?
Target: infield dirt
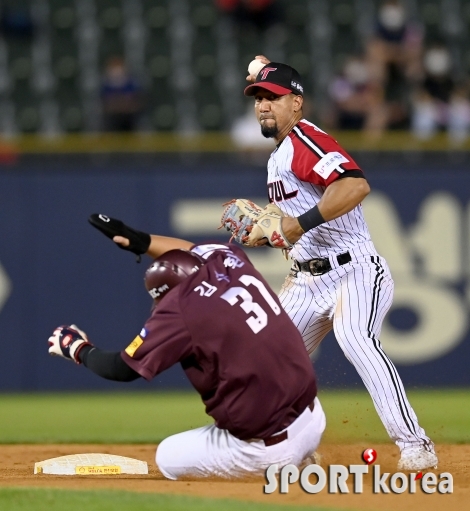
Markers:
<point>17,463</point>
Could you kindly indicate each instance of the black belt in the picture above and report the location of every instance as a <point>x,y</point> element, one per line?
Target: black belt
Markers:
<point>280,437</point>
<point>322,265</point>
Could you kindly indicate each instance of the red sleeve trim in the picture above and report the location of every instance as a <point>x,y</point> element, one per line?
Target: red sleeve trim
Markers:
<point>318,158</point>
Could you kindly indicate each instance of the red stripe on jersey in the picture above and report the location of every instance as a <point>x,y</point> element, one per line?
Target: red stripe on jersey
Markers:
<point>310,146</point>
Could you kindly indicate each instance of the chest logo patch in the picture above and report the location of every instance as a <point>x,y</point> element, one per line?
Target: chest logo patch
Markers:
<point>277,192</point>
<point>329,163</point>
<point>134,345</point>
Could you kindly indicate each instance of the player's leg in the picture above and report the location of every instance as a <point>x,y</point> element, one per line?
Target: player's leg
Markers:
<point>213,452</point>
<point>202,452</point>
<point>364,296</point>
<point>304,442</point>
<point>308,302</point>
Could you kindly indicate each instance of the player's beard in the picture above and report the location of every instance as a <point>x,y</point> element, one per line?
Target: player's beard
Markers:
<point>269,131</point>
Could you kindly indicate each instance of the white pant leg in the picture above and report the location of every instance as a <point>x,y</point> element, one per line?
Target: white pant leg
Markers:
<point>210,451</point>
<point>365,295</point>
<point>308,303</point>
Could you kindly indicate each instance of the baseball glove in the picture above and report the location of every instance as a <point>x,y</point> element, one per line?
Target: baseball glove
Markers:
<point>250,223</point>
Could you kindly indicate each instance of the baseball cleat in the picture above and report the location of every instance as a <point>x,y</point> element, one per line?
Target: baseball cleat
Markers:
<point>313,459</point>
<point>417,458</point>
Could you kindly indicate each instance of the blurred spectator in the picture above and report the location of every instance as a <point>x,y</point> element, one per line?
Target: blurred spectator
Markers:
<point>247,138</point>
<point>262,14</point>
<point>458,125</point>
<point>353,95</point>
<point>121,97</point>
<point>397,43</point>
<point>439,102</point>
<point>394,57</point>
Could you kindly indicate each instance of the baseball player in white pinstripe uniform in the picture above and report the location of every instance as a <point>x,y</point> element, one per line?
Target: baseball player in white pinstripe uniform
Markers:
<point>338,280</point>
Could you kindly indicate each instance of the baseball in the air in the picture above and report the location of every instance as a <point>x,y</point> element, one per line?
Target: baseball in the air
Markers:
<point>255,67</point>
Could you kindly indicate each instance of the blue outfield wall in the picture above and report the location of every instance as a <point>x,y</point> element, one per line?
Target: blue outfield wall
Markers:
<point>56,269</point>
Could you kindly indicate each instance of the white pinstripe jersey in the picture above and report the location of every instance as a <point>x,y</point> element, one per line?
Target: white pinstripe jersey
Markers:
<point>299,170</point>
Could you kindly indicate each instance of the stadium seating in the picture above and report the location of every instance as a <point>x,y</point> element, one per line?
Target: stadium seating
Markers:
<point>189,57</point>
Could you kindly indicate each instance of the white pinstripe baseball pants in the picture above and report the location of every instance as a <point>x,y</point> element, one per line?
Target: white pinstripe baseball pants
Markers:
<point>353,300</point>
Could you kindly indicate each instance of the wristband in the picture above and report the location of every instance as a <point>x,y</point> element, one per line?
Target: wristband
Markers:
<point>312,218</point>
<point>139,242</point>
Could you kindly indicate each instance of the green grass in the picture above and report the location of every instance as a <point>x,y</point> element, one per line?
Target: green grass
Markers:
<point>26,499</point>
<point>98,417</point>
<point>351,416</point>
<point>149,417</point>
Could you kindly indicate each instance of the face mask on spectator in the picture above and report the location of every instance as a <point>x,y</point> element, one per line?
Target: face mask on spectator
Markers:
<point>437,62</point>
<point>392,17</point>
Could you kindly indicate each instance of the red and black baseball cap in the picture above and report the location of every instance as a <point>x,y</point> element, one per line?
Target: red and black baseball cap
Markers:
<point>278,78</point>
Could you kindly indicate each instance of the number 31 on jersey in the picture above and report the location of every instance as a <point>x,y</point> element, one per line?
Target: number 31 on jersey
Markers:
<point>243,297</point>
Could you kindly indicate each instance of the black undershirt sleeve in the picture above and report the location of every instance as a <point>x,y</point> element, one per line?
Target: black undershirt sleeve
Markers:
<point>107,364</point>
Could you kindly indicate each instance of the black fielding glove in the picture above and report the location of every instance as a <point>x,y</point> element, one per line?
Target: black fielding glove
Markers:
<point>139,242</point>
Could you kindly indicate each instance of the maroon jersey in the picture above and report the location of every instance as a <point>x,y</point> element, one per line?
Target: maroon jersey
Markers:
<point>237,346</point>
